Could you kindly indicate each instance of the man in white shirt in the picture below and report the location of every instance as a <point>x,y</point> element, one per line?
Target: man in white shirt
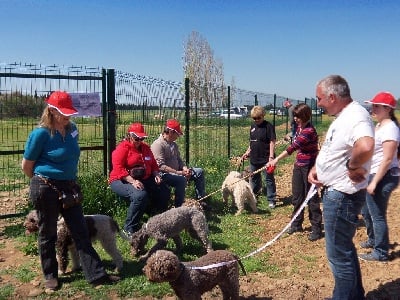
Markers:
<point>342,169</point>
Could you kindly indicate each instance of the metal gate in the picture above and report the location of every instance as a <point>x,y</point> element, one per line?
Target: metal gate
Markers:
<point>23,88</point>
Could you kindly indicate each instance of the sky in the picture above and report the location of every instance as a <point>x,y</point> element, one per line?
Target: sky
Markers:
<point>271,46</point>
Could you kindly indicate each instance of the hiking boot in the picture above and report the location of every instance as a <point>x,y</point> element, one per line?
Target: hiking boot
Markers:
<point>366,245</point>
<point>51,284</point>
<point>105,280</point>
<point>314,235</point>
<point>292,230</point>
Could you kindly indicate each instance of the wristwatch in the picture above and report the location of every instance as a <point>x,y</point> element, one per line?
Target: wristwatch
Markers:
<point>348,167</point>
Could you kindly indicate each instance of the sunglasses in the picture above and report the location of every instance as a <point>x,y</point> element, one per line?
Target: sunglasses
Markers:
<point>257,118</point>
<point>136,138</point>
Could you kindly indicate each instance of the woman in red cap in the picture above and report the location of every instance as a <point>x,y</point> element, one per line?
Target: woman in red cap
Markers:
<point>383,178</point>
<point>135,175</point>
<point>51,161</point>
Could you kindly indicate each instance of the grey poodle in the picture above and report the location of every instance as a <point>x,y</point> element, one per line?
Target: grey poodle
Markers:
<point>167,225</point>
<point>101,228</point>
<point>190,280</point>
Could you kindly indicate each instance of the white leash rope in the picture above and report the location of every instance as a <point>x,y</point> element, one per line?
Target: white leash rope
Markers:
<point>233,183</point>
<point>313,190</point>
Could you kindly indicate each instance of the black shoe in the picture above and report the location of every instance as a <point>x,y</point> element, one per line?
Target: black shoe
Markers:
<point>292,230</point>
<point>51,284</point>
<point>105,280</point>
<point>313,236</point>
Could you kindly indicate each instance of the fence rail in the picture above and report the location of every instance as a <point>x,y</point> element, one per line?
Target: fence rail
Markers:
<point>125,98</point>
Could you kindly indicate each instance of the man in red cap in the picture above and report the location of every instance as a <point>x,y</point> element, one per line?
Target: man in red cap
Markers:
<point>174,171</point>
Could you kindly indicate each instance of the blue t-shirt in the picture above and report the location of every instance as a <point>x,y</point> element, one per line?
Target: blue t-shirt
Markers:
<point>55,157</point>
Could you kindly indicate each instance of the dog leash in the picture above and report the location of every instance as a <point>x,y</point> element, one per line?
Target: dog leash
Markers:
<point>312,191</point>
<point>233,183</point>
<point>46,181</point>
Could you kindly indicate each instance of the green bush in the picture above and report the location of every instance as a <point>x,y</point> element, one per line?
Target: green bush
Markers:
<point>98,196</point>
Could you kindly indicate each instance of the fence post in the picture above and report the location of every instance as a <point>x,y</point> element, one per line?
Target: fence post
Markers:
<point>187,121</point>
<point>105,119</point>
<point>229,122</point>
<point>112,114</point>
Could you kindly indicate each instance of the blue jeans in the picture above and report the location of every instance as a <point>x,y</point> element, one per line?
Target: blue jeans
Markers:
<point>340,212</point>
<point>45,201</point>
<point>179,182</point>
<point>374,214</point>
<point>139,200</point>
<point>256,182</point>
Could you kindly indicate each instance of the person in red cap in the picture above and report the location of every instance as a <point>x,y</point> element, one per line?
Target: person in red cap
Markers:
<point>51,161</point>
<point>174,171</point>
<point>135,176</point>
<point>383,177</point>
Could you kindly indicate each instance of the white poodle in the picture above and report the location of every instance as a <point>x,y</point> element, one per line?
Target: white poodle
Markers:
<point>240,191</point>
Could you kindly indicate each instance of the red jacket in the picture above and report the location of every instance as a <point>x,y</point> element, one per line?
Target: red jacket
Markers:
<point>125,156</point>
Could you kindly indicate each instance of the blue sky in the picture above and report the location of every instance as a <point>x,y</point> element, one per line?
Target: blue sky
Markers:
<point>281,47</point>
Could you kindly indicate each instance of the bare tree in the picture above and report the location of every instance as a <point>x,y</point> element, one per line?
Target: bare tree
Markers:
<point>205,73</point>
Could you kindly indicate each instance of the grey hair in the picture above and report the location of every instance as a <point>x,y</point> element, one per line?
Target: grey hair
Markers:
<point>335,84</point>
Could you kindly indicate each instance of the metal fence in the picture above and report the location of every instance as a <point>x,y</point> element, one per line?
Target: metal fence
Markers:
<point>210,115</point>
<point>23,88</point>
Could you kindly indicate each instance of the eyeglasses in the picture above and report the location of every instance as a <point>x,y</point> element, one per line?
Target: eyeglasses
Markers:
<point>136,138</point>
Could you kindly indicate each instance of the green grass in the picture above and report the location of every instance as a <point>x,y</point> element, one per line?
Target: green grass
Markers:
<point>239,234</point>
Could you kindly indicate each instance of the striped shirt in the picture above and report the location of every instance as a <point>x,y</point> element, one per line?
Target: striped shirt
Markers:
<point>305,142</point>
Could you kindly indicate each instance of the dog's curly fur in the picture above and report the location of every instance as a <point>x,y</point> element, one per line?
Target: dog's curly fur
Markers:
<point>167,225</point>
<point>189,282</point>
<point>240,191</point>
<point>101,228</point>
<point>189,202</point>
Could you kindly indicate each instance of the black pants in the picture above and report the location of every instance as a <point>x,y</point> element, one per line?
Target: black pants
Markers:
<point>300,187</point>
<point>45,201</point>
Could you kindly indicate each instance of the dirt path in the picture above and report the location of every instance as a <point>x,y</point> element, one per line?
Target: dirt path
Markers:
<point>303,269</point>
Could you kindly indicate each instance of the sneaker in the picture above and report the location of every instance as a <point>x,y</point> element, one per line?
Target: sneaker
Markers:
<point>370,257</point>
<point>366,245</point>
<point>314,235</point>
<point>105,280</point>
<point>51,284</point>
<point>292,230</point>
<point>271,205</point>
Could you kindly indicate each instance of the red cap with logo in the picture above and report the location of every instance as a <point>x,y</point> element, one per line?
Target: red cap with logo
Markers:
<point>137,129</point>
<point>174,125</point>
<point>383,98</point>
<point>62,101</point>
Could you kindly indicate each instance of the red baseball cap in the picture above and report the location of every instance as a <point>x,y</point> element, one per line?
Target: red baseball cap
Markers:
<point>62,101</point>
<point>137,129</point>
<point>174,125</point>
<point>383,98</point>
